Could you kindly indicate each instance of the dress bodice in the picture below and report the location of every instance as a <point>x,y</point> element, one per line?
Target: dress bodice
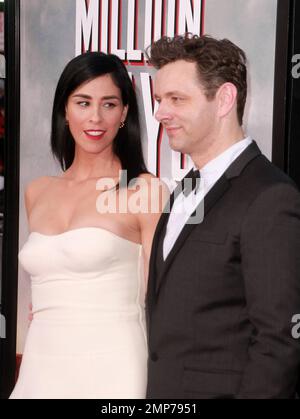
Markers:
<point>83,273</point>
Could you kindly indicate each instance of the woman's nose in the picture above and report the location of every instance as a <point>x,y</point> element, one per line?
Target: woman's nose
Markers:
<point>96,114</point>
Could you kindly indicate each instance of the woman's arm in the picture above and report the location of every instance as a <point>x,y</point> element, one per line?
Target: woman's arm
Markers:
<point>156,193</point>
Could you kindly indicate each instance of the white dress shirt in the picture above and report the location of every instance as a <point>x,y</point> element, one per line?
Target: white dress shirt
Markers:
<point>184,207</point>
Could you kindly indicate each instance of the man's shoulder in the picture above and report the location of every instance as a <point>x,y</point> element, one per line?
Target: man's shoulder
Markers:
<point>264,174</point>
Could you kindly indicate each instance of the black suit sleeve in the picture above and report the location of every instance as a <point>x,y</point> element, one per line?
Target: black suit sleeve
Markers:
<point>270,252</point>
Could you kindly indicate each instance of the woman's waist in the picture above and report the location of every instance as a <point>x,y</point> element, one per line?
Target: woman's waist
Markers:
<point>60,336</point>
<point>86,298</point>
<point>72,313</point>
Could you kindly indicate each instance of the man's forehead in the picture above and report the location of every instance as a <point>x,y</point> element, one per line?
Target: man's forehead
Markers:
<point>176,77</point>
<point>169,93</point>
<point>176,68</point>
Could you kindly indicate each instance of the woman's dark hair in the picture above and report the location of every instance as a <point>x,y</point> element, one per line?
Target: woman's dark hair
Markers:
<point>127,143</point>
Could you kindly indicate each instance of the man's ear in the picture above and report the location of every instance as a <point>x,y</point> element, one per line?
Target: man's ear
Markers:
<point>226,96</point>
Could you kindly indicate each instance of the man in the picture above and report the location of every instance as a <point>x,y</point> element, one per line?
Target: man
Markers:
<point>222,292</point>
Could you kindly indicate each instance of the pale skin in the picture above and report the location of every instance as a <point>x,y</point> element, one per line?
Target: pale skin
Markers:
<point>200,127</point>
<point>54,205</point>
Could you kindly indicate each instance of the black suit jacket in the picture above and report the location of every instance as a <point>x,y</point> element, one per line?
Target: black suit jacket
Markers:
<point>219,308</point>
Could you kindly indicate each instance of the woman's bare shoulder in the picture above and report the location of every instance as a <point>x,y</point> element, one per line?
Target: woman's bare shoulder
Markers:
<point>154,182</point>
<point>34,189</point>
<point>149,177</point>
<point>36,186</point>
<point>156,190</point>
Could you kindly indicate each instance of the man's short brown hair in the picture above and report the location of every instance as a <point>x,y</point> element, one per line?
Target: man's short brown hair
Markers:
<point>218,62</point>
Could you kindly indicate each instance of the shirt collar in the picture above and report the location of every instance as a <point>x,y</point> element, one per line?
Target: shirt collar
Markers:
<point>223,160</point>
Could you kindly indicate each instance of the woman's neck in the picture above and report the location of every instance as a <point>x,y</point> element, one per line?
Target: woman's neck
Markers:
<point>87,166</point>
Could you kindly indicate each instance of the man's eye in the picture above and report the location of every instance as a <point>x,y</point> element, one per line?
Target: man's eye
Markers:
<point>176,98</point>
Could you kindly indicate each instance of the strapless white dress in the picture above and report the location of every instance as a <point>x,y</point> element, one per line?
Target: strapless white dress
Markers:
<point>87,338</point>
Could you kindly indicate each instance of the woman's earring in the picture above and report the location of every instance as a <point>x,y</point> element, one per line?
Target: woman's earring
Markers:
<point>122,124</point>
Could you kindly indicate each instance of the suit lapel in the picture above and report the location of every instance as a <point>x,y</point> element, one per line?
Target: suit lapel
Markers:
<point>209,201</point>
<point>153,275</point>
<point>213,196</point>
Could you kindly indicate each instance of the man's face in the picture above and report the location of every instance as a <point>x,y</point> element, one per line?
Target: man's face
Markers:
<point>184,111</point>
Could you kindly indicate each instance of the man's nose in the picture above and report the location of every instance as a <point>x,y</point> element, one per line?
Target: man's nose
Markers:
<point>163,113</point>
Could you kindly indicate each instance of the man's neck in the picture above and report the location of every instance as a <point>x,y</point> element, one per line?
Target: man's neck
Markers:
<point>203,156</point>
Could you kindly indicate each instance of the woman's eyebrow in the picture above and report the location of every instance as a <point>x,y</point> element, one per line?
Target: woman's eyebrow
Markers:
<point>84,96</point>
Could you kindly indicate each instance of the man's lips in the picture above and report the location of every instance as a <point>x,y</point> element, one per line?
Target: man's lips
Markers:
<point>93,134</point>
<point>171,130</point>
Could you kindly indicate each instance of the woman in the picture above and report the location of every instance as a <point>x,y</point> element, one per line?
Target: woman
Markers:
<point>87,337</point>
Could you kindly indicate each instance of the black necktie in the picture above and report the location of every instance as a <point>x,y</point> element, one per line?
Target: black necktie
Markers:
<point>191,183</point>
